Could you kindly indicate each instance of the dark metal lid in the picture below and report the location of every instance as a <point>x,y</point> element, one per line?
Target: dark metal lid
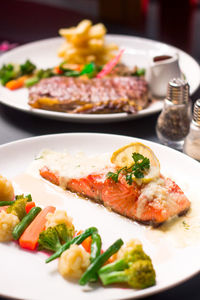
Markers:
<point>178,91</point>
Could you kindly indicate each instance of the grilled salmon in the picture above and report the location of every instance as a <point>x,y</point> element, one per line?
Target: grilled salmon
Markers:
<point>152,203</point>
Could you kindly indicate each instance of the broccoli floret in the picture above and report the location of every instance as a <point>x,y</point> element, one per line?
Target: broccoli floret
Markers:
<point>8,72</point>
<point>18,207</point>
<point>27,68</point>
<point>49,240</point>
<point>65,234</point>
<point>134,267</point>
<point>139,275</point>
<point>22,196</point>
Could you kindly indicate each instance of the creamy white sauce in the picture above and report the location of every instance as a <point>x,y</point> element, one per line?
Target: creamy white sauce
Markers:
<point>71,166</point>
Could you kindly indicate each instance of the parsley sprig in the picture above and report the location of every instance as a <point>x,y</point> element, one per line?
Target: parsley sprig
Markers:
<point>140,165</point>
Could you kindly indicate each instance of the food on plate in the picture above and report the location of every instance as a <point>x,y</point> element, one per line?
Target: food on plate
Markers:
<point>58,229</point>
<point>53,231</point>
<point>27,219</point>
<point>92,270</point>
<point>18,207</point>
<point>8,222</point>
<point>106,95</point>
<point>123,157</point>
<point>76,240</point>
<point>90,79</point>
<point>133,266</point>
<point>6,189</point>
<point>29,238</point>
<point>85,43</point>
<point>60,217</point>
<point>73,262</point>
<point>50,239</point>
<point>137,191</point>
<point>13,76</point>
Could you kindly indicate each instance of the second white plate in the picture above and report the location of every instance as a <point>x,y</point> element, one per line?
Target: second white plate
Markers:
<point>138,51</point>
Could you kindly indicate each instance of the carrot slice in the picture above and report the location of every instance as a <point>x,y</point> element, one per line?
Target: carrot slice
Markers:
<point>87,244</point>
<point>16,83</point>
<point>29,205</point>
<point>57,70</point>
<point>29,238</point>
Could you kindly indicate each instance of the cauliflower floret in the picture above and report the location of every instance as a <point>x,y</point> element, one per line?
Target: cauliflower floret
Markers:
<point>7,223</point>
<point>6,189</point>
<point>58,217</point>
<point>73,262</point>
<point>127,248</point>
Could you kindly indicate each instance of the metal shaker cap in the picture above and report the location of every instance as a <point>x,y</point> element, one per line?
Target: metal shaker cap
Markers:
<point>178,91</point>
<point>196,112</point>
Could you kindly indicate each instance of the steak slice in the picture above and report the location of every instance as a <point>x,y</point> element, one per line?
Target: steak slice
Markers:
<point>75,95</point>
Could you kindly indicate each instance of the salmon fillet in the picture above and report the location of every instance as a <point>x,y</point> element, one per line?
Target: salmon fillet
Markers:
<point>152,203</point>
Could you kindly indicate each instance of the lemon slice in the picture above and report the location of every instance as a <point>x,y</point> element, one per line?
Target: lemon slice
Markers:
<point>123,158</point>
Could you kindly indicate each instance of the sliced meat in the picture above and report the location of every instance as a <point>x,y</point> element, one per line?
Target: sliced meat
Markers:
<point>94,96</point>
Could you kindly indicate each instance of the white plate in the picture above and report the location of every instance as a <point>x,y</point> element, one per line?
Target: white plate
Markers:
<point>27,272</point>
<point>138,52</point>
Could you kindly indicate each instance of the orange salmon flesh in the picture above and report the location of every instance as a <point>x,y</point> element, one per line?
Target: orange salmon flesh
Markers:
<point>152,203</point>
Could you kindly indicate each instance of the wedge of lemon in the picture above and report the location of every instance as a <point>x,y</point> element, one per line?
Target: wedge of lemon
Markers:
<point>123,158</point>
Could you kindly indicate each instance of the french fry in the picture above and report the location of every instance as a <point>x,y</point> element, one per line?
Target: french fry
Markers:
<point>95,44</point>
<point>85,43</point>
<point>97,31</point>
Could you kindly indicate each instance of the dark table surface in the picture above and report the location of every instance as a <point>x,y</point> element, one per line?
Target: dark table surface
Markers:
<point>23,22</point>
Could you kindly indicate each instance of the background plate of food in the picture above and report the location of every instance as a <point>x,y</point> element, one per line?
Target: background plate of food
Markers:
<point>88,76</point>
<point>170,246</point>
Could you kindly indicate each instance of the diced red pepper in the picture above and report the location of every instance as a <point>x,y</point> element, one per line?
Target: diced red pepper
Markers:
<point>29,205</point>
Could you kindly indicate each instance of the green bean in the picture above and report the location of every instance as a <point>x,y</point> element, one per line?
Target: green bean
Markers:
<point>4,203</point>
<point>99,261</point>
<point>27,219</point>
<point>95,251</point>
<point>31,81</point>
<point>95,246</point>
<point>77,240</point>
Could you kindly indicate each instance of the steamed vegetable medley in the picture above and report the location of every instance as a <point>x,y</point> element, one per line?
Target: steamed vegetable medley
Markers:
<point>15,76</point>
<point>80,254</point>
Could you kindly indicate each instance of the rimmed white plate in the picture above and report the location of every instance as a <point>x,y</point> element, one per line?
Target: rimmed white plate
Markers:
<point>138,52</point>
<point>169,249</point>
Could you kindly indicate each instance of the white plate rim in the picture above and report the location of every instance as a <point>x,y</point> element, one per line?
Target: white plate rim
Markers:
<point>142,293</point>
<point>95,118</point>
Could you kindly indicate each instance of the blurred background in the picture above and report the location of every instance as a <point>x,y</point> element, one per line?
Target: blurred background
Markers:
<point>176,22</point>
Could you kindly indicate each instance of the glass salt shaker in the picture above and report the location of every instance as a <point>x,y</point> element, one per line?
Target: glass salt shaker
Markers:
<point>192,142</point>
<point>174,121</point>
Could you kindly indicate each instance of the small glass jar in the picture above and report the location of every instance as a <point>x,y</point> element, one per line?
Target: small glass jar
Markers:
<point>192,141</point>
<point>174,121</point>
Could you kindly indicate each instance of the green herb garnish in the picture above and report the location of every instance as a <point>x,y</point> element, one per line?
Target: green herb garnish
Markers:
<point>140,165</point>
<point>186,225</point>
<point>114,176</point>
